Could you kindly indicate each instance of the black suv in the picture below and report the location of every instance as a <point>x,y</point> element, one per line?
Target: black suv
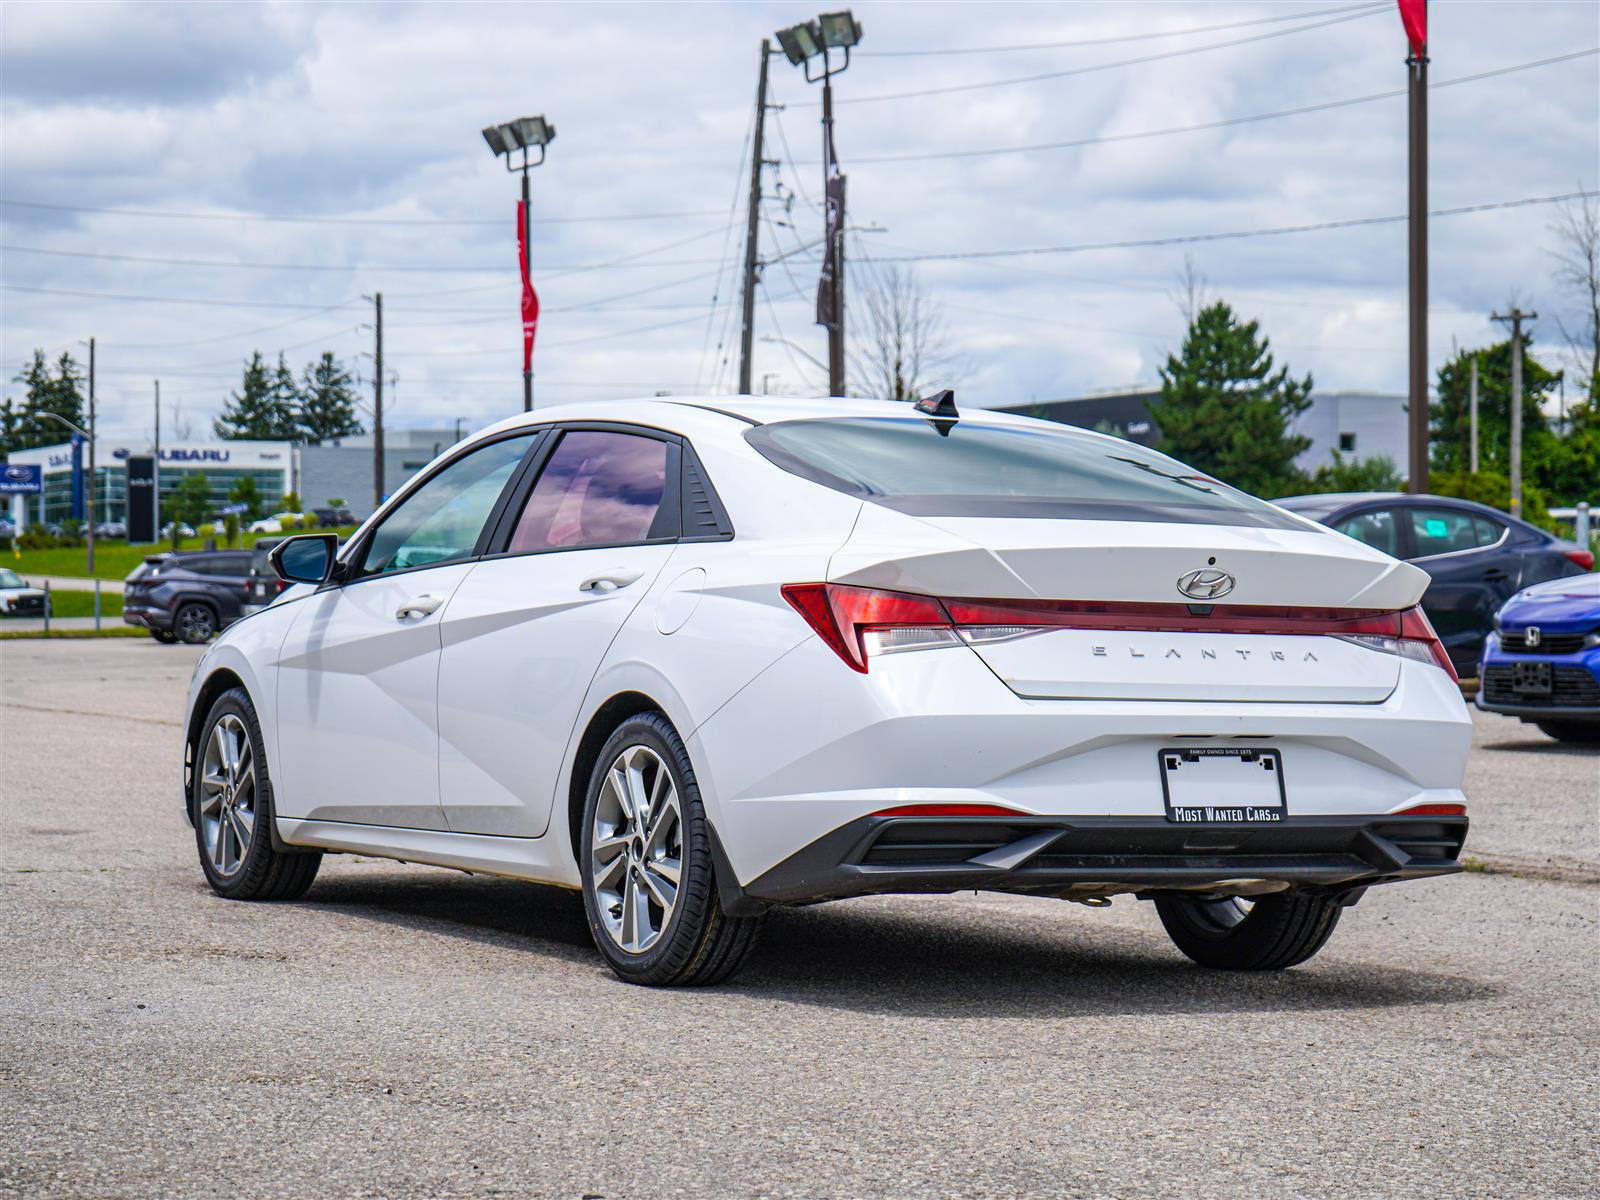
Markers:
<point>187,597</point>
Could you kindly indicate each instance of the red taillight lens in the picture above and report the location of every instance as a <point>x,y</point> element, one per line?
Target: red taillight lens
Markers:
<point>1415,627</point>
<point>843,615</point>
<point>1432,810</point>
<point>1582,557</point>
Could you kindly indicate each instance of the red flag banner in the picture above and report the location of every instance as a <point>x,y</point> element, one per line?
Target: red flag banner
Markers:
<point>1414,16</point>
<point>530,298</point>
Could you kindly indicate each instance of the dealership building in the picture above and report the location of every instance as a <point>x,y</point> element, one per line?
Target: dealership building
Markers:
<point>337,470</point>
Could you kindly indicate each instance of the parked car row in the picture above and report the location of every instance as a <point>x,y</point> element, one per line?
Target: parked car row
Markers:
<point>1477,557</point>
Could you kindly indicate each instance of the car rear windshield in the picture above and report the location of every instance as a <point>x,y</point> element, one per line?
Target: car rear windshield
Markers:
<point>979,470</point>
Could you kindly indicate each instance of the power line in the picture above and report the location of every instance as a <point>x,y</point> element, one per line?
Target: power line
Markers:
<point>1125,37</point>
<point>1045,76</point>
<point>920,256</point>
<point>1182,239</point>
<point>206,300</point>
<point>232,264</point>
<point>1224,123</point>
<point>320,220</point>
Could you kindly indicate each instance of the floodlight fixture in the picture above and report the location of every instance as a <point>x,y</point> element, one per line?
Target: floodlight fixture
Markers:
<point>801,42</point>
<point>526,134</point>
<point>840,30</point>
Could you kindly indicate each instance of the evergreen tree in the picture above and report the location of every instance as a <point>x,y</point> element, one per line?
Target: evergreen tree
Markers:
<point>327,402</point>
<point>258,410</point>
<point>24,426</point>
<point>1224,409</point>
<point>286,397</point>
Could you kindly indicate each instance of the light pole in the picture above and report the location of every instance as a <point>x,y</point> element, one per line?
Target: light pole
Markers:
<point>525,134</point>
<point>802,43</point>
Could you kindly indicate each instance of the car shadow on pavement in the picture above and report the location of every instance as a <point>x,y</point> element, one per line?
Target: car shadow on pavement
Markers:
<point>1543,745</point>
<point>493,912</point>
<point>922,957</point>
<point>915,963</point>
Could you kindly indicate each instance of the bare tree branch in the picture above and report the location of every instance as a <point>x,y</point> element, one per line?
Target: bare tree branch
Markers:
<point>903,348</point>
<point>1577,231</point>
<point>1193,290</point>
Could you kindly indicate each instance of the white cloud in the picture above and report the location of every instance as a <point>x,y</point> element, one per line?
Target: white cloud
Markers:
<point>373,110</point>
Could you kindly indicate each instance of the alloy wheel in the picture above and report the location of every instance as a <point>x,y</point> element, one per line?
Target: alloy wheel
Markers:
<point>195,624</point>
<point>636,849</point>
<point>227,795</point>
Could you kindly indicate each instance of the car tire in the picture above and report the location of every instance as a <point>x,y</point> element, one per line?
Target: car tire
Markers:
<point>627,862</point>
<point>1269,934</point>
<point>230,802</point>
<point>195,624</point>
<point>1571,731</point>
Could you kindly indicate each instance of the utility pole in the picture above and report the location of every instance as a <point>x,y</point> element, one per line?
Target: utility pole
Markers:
<point>527,250</point>
<point>91,459</point>
<point>1417,223</point>
<point>1472,401</point>
<point>157,485</point>
<point>1516,317</point>
<point>834,191</point>
<point>752,261</point>
<point>377,401</point>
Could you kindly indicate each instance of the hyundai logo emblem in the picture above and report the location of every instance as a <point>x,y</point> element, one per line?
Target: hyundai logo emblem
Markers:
<point>1532,635</point>
<point>1206,584</point>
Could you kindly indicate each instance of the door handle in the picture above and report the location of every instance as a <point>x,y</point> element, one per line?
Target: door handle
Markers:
<point>1495,575</point>
<point>418,606</point>
<point>610,581</point>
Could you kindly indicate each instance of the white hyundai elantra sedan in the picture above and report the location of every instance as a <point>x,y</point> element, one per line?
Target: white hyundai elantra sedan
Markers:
<point>698,658</point>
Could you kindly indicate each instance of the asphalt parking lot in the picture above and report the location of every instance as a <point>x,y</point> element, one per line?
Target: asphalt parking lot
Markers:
<point>406,1031</point>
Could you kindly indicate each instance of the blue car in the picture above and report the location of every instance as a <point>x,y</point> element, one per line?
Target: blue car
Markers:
<point>1542,662</point>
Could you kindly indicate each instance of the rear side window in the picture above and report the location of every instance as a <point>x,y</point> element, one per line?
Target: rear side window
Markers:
<point>597,489</point>
<point>1447,530</point>
<point>975,470</point>
<point>1376,529</point>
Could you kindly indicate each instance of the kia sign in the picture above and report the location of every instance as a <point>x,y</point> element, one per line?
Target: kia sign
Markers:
<point>141,470</point>
<point>21,479</point>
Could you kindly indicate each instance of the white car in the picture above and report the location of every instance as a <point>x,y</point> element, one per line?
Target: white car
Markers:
<point>699,658</point>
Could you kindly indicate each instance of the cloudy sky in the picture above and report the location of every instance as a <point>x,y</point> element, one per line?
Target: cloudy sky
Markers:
<point>293,158</point>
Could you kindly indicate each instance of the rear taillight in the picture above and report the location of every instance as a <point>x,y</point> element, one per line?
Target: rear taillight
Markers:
<point>1582,557</point>
<point>859,623</point>
<point>1432,810</point>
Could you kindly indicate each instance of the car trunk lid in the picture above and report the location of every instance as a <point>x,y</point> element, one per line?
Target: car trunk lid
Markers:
<point>1129,631</point>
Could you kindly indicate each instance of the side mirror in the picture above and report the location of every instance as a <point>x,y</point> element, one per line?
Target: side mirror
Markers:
<point>308,558</point>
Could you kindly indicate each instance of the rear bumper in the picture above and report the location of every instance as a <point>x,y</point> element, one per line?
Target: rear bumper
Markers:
<point>147,616</point>
<point>1102,856</point>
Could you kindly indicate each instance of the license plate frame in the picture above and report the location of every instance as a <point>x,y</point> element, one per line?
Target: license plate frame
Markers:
<point>1193,797</point>
<point>1532,679</point>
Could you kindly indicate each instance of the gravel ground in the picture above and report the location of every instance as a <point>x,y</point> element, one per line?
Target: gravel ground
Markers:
<point>405,1031</point>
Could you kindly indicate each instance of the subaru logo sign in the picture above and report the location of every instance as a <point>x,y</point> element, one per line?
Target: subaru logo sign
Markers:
<point>1206,584</point>
<point>18,479</point>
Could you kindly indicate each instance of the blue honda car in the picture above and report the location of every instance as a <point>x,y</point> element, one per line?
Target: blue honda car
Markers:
<point>1542,662</point>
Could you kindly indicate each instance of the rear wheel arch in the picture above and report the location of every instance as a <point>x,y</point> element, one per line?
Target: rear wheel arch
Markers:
<point>601,725</point>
